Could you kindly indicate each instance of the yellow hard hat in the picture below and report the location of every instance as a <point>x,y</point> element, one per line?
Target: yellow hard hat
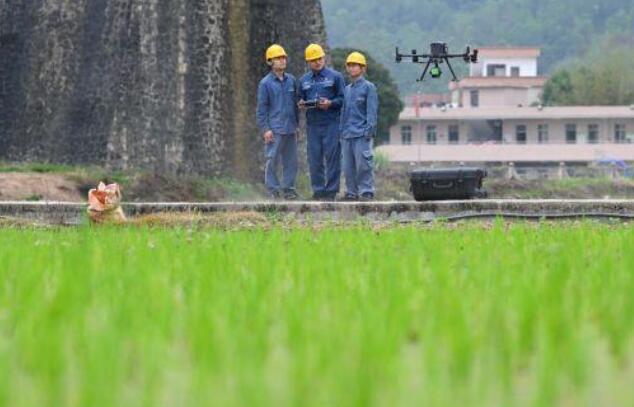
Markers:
<point>314,51</point>
<point>275,51</point>
<point>356,58</point>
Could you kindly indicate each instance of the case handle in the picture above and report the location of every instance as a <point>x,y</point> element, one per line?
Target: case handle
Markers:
<point>439,185</point>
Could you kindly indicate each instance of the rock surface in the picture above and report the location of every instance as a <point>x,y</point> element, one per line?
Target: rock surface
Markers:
<point>167,86</point>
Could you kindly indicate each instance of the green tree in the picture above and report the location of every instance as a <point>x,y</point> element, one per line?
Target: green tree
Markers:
<point>558,89</point>
<point>390,104</point>
<point>599,78</point>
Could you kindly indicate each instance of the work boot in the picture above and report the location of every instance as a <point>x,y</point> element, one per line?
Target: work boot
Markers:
<point>291,195</point>
<point>328,197</point>
<point>349,198</point>
<point>275,195</point>
<point>367,196</point>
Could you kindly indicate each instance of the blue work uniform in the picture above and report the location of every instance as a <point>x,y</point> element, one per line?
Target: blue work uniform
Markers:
<point>358,128</point>
<point>322,128</point>
<point>277,111</point>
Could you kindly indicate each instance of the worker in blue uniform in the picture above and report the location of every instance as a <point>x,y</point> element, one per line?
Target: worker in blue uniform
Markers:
<point>321,94</point>
<point>358,129</point>
<point>277,120</point>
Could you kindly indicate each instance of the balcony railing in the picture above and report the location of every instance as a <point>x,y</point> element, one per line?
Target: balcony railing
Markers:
<point>513,142</point>
<point>503,151</point>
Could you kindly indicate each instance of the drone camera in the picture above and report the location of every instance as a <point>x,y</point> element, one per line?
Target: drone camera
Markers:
<point>435,72</point>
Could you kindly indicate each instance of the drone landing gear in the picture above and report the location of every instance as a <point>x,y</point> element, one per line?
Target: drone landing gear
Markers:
<point>453,74</point>
<point>424,71</point>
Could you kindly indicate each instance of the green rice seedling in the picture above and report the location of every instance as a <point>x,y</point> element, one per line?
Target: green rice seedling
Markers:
<point>518,314</point>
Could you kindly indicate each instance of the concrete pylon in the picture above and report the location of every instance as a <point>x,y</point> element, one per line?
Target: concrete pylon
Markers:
<point>511,172</point>
<point>562,172</point>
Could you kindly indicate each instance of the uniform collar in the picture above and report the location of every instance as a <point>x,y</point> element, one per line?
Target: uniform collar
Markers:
<point>358,81</point>
<point>275,78</point>
<point>320,73</point>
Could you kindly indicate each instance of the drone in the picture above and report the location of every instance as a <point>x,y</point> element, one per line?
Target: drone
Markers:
<point>439,53</point>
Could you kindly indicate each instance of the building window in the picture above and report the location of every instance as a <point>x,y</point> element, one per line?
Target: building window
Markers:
<point>542,133</point>
<point>406,134</point>
<point>571,133</point>
<point>475,98</point>
<point>431,134</point>
<point>593,133</point>
<point>515,71</point>
<point>496,70</point>
<point>619,133</point>
<point>520,134</point>
<point>454,134</point>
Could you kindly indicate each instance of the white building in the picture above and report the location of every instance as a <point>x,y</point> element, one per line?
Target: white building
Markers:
<point>498,107</point>
<point>505,62</point>
<point>501,77</point>
<point>525,134</point>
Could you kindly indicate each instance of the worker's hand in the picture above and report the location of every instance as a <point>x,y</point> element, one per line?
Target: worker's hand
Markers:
<point>324,104</point>
<point>268,136</point>
<point>301,104</point>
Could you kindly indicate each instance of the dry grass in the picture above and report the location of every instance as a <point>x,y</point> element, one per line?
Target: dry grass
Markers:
<point>217,220</point>
<point>12,222</point>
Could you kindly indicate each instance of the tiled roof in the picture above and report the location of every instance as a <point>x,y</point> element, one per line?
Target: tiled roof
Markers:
<point>428,98</point>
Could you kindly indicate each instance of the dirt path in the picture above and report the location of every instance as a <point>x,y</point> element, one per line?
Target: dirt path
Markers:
<point>37,187</point>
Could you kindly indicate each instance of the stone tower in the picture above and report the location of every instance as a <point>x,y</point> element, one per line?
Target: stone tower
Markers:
<point>161,85</point>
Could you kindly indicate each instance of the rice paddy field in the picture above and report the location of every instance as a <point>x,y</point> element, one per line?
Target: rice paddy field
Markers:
<point>492,314</point>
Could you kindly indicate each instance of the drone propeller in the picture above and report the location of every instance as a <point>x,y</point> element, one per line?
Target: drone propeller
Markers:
<point>466,57</point>
<point>474,56</point>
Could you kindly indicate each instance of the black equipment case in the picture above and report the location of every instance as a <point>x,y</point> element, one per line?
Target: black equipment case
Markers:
<point>429,184</point>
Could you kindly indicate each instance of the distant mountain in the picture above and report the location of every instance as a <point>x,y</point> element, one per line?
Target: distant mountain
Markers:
<point>564,29</point>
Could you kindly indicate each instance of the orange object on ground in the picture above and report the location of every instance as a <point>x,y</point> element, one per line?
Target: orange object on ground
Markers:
<point>104,204</point>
